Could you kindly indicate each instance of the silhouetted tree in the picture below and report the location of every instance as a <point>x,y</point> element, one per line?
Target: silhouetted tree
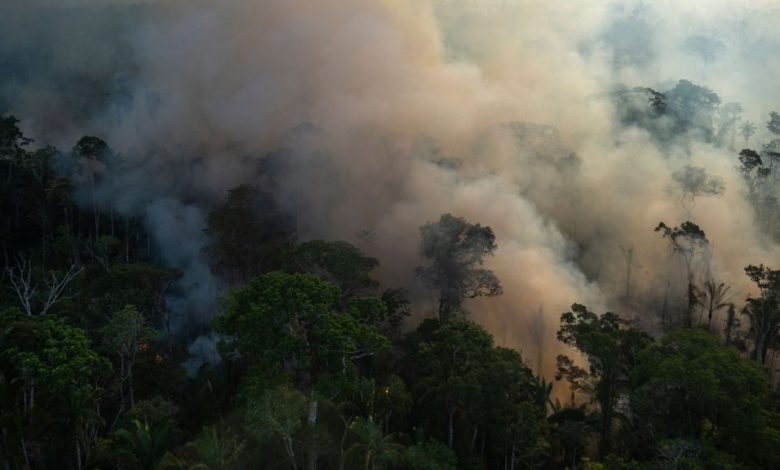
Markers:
<point>692,182</point>
<point>91,154</point>
<point>692,108</point>
<point>764,310</point>
<point>456,249</point>
<point>747,129</point>
<point>687,240</point>
<point>731,322</point>
<point>715,299</point>
<point>753,171</point>
<point>773,125</point>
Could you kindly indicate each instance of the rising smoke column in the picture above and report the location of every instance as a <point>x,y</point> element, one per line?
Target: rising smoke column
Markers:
<point>388,113</point>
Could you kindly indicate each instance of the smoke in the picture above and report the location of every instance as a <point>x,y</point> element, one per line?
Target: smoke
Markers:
<point>387,114</point>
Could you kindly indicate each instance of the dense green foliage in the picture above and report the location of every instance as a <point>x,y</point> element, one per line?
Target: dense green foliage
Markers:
<point>314,367</point>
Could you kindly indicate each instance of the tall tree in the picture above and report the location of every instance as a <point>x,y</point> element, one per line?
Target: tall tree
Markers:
<point>771,149</point>
<point>747,129</point>
<point>91,155</point>
<point>457,250</point>
<point>48,372</point>
<point>763,311</point>
<point>286,326</point>
<point>451,365</point>
<point>692,182</point>
<point>692,108</point>
<point>34,298</point>
<point>611,351</point>
<point>754,172</point>
<point>773,125</point>
<point>510,412</point>
<point>12,140</point>
<point>687,240</point>
<point>732,322</point>
<point>123,337</point>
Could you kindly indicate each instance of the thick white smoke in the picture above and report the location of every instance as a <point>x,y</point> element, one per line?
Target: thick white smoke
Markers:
<point>391,113</point>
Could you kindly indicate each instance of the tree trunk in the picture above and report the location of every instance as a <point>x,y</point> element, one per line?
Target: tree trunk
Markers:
<point>130,383</point>
<point>758,351</point>
<point>450,429</point>
<point>25,454</point>
<point>512,464</point>
<point>606,424</point>
<point>691,302</point>
<point>290,451</point>
<point>343,439</point>
<point>78,456</point>
<point>121,382</point>
<point>312,420</point>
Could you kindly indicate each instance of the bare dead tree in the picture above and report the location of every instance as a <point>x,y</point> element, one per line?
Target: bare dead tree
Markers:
<point>20,277</point>
<point>27,289</point>
<point>687,240</point>
<point>56,287</point>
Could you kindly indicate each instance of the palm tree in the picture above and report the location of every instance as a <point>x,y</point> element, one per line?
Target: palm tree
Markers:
<point>715,299</point>
<point>376,448</point>
<point>144,446</point>
<point>211,451</point>
<point>217,451</point>
<point>542,394</point>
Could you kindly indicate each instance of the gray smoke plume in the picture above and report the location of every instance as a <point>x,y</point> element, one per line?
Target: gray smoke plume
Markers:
<point>390,113</point>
